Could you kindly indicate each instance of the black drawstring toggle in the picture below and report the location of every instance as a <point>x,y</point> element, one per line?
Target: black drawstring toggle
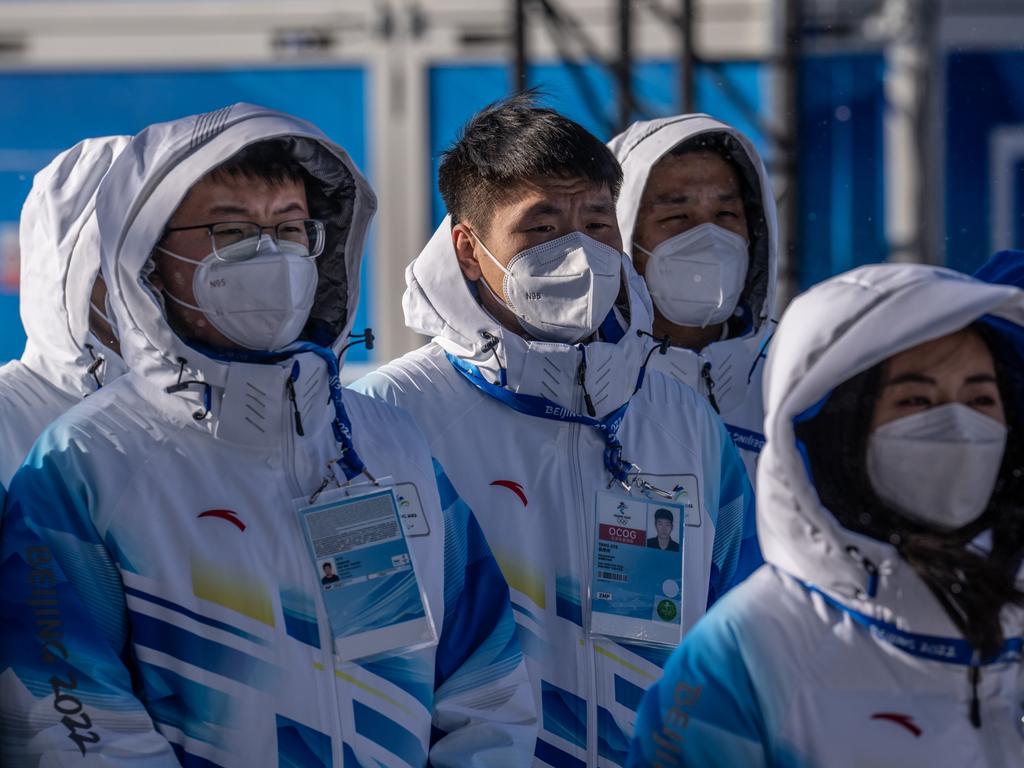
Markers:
<point>974,675</point>
<point>290,386</point>
<point>366,337</point>
<point>200,413</point>
<point>705,373</point>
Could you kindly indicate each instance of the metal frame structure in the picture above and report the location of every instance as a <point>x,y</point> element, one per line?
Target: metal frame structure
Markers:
<point>782,135</point>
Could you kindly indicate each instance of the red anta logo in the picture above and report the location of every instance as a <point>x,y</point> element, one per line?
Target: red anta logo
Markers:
<point>224,514</point>
<point>907,721</point>
<point>515,487</point>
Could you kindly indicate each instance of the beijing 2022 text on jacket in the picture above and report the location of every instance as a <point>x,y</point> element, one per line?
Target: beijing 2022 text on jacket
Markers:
<point>159,602</point>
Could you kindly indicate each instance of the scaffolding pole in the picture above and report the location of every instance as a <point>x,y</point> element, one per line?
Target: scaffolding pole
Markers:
<point>624,64</point>
<point>519,82</point>
<point>788,145</point>
<point>688,58</point>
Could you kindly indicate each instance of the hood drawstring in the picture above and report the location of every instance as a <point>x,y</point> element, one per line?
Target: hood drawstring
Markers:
<point>94,366</point>
<point>200,413</point>
<point>366,337</point>
<point>661,348</point>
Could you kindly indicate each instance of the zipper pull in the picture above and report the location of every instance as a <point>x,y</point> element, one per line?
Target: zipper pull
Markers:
<point>974,675</point>
<point>582,381</point>
<point>290,386</point>
<point>705,374</point>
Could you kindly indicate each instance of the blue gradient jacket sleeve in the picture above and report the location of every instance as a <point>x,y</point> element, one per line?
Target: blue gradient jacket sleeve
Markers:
<point>704,711</point>
<point>484,713</point>
<point>65,691</point>
<point>736,553</point>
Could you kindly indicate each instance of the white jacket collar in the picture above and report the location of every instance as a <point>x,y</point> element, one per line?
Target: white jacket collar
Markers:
<point>439,302</point>
<point>60,258</point>
<point>643,144</point>
<point>836,330</point>
<point>142,191</point>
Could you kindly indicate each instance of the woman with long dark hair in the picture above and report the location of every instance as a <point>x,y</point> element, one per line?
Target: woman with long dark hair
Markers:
<point>886,628</point>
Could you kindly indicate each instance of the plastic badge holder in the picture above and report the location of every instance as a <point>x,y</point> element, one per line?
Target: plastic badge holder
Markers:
<point>636,583</point>
<point>357,541</point>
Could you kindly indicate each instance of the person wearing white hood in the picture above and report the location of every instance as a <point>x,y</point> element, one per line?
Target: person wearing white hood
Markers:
<point>533,393</point>
<point>698,219</point>
<point>886,627</point>
<point>163,546</point>
<point>72,349</point>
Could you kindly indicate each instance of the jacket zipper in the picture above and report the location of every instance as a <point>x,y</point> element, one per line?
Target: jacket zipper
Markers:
<point>576,433</point>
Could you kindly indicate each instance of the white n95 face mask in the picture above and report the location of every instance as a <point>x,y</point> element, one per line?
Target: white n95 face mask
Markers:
<point>696,278</point>
<point>938,466</point>
<point>561,290</point>
<point>261,302</point>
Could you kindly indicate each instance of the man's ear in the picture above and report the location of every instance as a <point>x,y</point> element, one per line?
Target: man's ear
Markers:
<point>465,252</point>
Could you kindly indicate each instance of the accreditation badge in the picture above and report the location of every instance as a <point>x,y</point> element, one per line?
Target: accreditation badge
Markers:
<point>636,585</point>
<point>358,548</point>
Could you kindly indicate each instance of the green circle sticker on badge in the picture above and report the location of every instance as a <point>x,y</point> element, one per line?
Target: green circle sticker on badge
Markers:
<point>667,610</point>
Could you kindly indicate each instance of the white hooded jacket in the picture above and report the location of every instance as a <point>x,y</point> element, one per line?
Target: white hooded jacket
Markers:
<point>60,258</point>
<point>534,480</point>
<point>156,566</point>
<point>783,675</point>
<point>727,372</point>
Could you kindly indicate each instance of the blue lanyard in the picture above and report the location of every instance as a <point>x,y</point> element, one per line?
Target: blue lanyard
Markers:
<point>534,405</point>
<point>951,650</point>
<point>349,460</point>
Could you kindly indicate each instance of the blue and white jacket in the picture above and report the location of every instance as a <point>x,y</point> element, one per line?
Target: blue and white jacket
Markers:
<point>60,258</point>
<point>159,604</point>
<point>728,372</point>
<point>532,481</point>
<point>814,661</point>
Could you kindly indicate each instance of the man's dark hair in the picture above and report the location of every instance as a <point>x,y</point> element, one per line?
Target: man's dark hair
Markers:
<point>513,141</point>
<point>326,565</point>
<point>269,161</point>
<point>663,514</point>
<point>971,586</point>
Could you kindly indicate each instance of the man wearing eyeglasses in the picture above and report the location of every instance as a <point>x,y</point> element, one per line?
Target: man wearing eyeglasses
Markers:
<point>163,546</point>
<point>237,261</point>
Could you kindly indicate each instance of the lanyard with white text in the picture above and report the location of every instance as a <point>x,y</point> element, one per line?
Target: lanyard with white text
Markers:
<point>534,405</point>
<point>952,650</point>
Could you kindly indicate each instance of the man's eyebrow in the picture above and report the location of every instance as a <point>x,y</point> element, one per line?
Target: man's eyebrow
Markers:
<point>543,208</point>
<point>599,207</point>
<point>981,378</point>
<point>294,205</point>
<point>671,198</point>
<point>232,209</point>
<point>909,378</point>
<point>227,209</point>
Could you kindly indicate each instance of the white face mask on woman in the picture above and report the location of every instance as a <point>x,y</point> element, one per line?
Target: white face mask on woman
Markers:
<point>561,290</point>
<point>696,278</point>
<point>261,302</point>
<point>938,466</point>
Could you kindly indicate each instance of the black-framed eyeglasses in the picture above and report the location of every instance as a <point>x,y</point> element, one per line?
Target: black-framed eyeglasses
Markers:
<point>242,240</point>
